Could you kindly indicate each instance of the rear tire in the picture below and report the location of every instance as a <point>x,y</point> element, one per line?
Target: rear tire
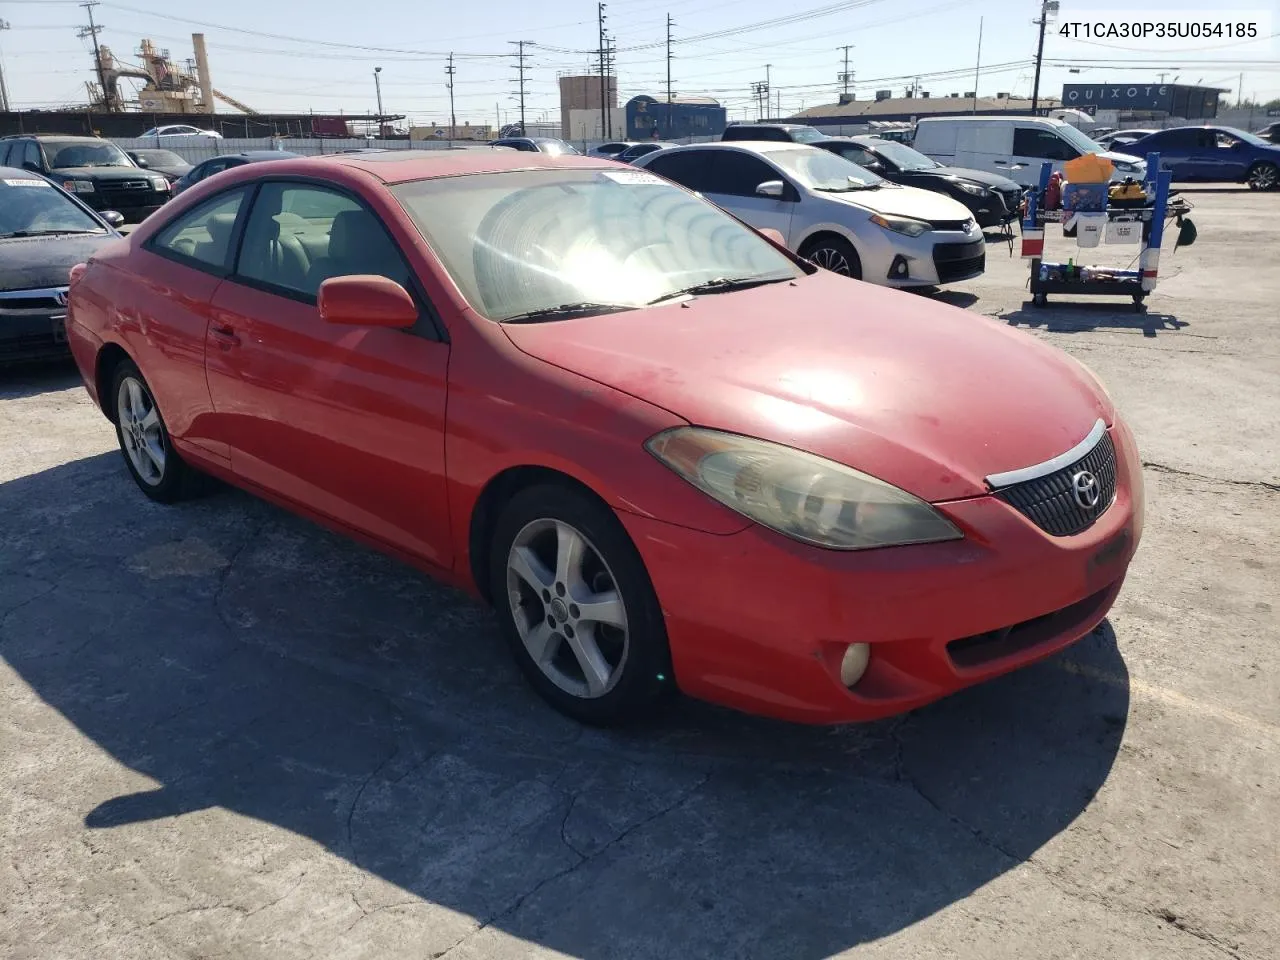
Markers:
<point>576,606</point>
<point>1264,176</point>
<point>144,441</point>
<point>836,255</point>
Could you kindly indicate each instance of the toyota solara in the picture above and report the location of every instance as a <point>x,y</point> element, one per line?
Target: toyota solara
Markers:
<point>669,453</point>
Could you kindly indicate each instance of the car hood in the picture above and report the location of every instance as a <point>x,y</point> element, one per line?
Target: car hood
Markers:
<point>32,263</point>
<point>926,396</point>
<point>984,177</point>
<point>900,201</point>
<point>98,173</point>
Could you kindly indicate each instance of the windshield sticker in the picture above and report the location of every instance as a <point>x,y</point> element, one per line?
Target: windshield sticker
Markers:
<point>26,183</point>
<point>633,176</point>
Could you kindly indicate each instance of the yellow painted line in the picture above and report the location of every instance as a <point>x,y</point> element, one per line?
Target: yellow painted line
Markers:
<point>1173,698</point>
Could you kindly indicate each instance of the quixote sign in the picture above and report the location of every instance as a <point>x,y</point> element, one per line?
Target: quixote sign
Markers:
<point>1118,96</point>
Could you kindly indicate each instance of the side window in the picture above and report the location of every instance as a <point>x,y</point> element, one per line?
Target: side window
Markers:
<point>299,235</point>
<point>4,153</point>
<point>31,155</point>
<point>203,235</point>
<point>858,155</point>
<point>738,174</point>
<point>1045,144</point>
<point>689,168</point>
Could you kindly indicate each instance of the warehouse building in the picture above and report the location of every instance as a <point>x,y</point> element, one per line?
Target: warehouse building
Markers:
<point>849,111</point>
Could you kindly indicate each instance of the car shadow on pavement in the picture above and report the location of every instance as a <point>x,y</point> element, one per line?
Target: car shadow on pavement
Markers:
<point>1083,317</point>
<point>242,658</point>
<point>29,380</point>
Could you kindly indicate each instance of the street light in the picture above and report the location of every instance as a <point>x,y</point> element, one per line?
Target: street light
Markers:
<point>377,83</point>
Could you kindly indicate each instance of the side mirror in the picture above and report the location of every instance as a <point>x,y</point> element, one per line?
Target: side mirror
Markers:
<point>776,236</point>
<point>114,218</point>
<point>771,188</point>
<point>875,166</point>
<point>140,161</point>
<point>364,300</point>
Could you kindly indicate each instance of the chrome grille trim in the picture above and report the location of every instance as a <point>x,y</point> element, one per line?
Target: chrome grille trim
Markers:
<point>998,480</point>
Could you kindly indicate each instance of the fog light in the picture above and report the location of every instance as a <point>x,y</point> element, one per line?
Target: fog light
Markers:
<point>854,664</point>
<point>898,270</point>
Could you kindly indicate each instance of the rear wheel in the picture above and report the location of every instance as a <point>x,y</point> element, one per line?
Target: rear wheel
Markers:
<point>836,255</point>
<point>1264,176</point>
<point>577,607</point>
<point>144,439</point>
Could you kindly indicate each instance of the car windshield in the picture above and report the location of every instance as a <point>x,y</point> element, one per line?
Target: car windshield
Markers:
<point>556,147</point>
<point>162,158</point>
<point>1246,137</point>
<point>1079,140</point>
<point>64,154</point>
<point>598,241</point>
<point>31,206</point>
<point>825,171</point>
<point>806,135</point>
<point>904,157</point>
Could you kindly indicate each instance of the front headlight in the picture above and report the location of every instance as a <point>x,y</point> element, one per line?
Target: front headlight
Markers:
<point>78,186</point>
<point>973,189</point>
<point>159,183</point>
<point>798,494</point>
<point>903,225</point>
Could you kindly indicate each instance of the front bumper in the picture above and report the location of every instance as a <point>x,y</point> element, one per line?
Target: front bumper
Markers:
<point>759,622</point>
<point>33,325</point>
<point>930,258</point>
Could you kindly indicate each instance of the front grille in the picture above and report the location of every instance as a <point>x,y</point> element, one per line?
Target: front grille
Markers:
<point>43,304</point>
<point>984,648</point>
<point>957,261</point>
<point>19,303</point>
<point>1049,501</point>
<point>124,186</point>
<point>955,225</point>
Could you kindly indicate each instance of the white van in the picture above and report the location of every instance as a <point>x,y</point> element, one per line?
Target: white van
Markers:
<point>1013,146</point>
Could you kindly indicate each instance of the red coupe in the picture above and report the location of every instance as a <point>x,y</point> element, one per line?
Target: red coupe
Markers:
<point>669,453</point>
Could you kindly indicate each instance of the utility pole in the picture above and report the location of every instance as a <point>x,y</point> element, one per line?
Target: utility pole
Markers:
<point>522,79</point>
<point>1047,7</point>
<point>977,69</point>
<point>4,91</point>
<point>604,110</point>
<point>1239,89</point>
<point>92,30</point>
<point>453,118</point>
<point>845,77</point>
<point>670,24</point>
<point>760,90</point>
<point>377,85</point>
<point>611,82</point>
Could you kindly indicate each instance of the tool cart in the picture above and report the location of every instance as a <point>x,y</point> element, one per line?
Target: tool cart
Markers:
<point>1138,221</point>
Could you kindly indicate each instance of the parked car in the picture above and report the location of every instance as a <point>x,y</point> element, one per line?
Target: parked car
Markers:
<point>1122,138</point>
<point>1222,154</point>
<point>991,198</point>
<point>636,151</point>
<point>44,232</point>
<point>548,145</point>
<point>773,132</point>
<point>610,150</point>
<point>1271,132</point>
<point>179,130</point>
<point>207,168</point>
<point>883,500</point>
<point>1015,147</point>
<point>95,170</point>
<point>164,162</point>
<point>830,210</point>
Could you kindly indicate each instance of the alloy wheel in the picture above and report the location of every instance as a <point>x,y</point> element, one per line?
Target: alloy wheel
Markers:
<point>567,608</point>
<point>1265,176</point>
<point>829,258</point>
<point>141,430</point>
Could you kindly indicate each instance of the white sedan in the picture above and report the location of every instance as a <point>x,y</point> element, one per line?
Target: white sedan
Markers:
<point>832,211</point>
<point>180,130</point>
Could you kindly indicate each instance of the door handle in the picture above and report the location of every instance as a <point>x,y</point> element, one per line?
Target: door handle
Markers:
<point>225,336</point>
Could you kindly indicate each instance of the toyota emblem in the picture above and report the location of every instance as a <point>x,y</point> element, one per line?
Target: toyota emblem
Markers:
<point>1085,487</point>
<point>62,297</point>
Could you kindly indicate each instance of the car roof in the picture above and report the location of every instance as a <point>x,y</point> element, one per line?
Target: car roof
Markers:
<point>257,155</point>
<point>403,166</point>
<point>773,126</point>
<point>752,146</point>
<point>54,136</point>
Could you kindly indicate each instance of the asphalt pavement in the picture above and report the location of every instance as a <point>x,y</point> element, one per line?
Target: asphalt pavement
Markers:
<point>227,733</point>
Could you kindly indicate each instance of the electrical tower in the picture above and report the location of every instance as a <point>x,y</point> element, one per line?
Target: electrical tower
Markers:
<point>670,24</point>
<point>521,79</point>
<point>604,77</point>
<point>92,30</point>
<point>449,71</point>
<point>845,76</point>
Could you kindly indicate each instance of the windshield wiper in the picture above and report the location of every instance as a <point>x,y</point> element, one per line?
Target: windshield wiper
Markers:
<point>565,310</point>
<point>44,233</point>
<point>719,285</point>
<point>848,189</point>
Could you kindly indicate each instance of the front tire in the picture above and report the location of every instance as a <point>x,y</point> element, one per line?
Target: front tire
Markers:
<point>1264,176</point>
<point>836,255</point>
<point>144,439</point>
<point>576,606</point>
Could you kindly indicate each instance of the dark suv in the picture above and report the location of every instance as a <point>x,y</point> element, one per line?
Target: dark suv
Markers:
<point>95,170</point>
<point>777,132</point>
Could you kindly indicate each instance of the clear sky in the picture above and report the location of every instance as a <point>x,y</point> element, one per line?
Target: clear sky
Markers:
<point>320,55</point>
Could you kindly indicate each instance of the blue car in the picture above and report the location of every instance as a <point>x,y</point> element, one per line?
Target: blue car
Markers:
<point>1222,154</point>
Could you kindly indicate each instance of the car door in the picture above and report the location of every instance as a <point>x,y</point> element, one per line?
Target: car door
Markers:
<point>1032,146</point>
<point>346,421</point>
<point>166,326</point>
<point>1178,151</point>
<point>1230,157</point>
<point>732,181</point>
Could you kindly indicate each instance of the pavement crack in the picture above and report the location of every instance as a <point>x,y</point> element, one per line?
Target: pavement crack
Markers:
<point>515,906</point>
<point>250,540</point>
<point>1187,927</point>
<point>564,823</point>
<point>4,617</point>
<point>1164,468</point>
<point>288,893</point>
<point>355,802</point>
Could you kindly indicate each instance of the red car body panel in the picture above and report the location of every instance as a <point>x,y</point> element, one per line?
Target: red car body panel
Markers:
<point>393,437</point>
